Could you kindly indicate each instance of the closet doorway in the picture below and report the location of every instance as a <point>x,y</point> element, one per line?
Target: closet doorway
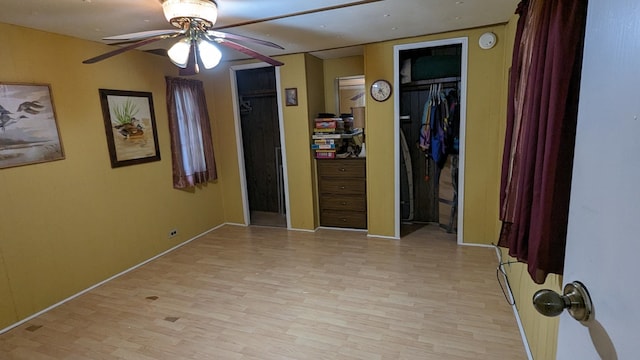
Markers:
<point>260,145</point>
<point>430,108</point>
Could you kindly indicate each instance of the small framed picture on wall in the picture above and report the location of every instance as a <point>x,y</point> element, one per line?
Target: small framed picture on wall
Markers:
<point>291,96</point>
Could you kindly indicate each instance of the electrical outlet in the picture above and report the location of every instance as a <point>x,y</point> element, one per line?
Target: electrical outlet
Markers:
<point>173,233</point>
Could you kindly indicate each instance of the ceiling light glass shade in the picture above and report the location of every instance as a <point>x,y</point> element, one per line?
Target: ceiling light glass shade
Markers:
<point>179,53</point>
<point>209,54</point>
<point>203,9</point>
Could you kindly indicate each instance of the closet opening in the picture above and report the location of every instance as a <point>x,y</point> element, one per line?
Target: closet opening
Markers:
<point>260,144</point>
<point>430,103</point>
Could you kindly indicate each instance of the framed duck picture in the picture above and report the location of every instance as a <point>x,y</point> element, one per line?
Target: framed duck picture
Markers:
<point>130,126</point>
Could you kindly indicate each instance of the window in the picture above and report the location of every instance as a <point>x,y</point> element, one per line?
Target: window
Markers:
<point>191,145</point>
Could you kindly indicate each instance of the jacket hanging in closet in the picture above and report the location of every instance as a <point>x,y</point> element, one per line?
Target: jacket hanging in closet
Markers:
<point>440,125</point>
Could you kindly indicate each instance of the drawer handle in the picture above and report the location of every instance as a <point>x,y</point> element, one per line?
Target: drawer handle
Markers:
<point>344,203</point>
<point>342,187</point>
<point>344,220</point>
<point>343,169</point>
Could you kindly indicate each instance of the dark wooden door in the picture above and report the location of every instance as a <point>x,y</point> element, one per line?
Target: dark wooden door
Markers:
<point>261,139</point>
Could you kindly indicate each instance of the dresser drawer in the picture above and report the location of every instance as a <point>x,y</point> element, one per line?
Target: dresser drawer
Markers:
<point>347,219</point>
<point>342,186</point>
<point>342,168</point>
<point>343,202</point>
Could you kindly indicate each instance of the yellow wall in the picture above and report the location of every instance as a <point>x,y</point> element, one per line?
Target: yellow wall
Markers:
<point>219,98</point>
<point>316,99</point>
<point>69,224</point>
<point>8,312</point>
<point>541,331</point>
<point>485,114</point>
<point>297,134</point>
<point>378,64</point>
<point>334,68</point>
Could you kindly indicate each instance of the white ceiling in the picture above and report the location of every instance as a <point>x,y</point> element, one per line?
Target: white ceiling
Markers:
<point>327,34</point>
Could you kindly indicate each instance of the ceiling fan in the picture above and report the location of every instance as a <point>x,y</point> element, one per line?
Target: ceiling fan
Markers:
<point>194,20</point>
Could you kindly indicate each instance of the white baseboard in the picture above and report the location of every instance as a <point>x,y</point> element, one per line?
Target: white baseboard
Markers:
<point>31,317</point>
<point>275,227</point>
<point>383,237</point>
<point>340,229</point>
<point>476,245</point>
<point>303,230</point>
<point>525,342</point>
<point>234,224</point>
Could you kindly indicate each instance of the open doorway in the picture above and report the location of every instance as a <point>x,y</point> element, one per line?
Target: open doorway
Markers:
<point>430,120</point>
<point>260,145</point>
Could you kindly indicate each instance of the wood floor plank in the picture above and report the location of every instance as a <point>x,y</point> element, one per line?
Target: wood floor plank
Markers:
<point>266,293</point>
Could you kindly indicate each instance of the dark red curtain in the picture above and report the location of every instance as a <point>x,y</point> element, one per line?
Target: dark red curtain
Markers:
<point>541,122</point>
<point>192,154</point>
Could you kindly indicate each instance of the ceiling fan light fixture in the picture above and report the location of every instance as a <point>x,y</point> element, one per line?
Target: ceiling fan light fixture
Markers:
<point>179,53</point>
<point>195,20</point>
<point>209,54</point>
<point>200,9</point>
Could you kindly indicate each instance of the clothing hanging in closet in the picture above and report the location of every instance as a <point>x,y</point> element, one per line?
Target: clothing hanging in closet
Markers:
<point>440,128</point>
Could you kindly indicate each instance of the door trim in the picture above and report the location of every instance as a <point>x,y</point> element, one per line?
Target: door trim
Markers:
<point>463,121</point>
<point>239,143</point>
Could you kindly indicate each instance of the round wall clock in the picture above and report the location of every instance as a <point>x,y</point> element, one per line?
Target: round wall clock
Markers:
<point>380,90</point>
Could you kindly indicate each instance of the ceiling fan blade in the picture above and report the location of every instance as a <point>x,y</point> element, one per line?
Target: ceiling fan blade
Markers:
<point>245,50</point>
<point>307,12</point>
<point>160,52</point>
<point>225,35</point>
<point>123,49</point>
<point>143,34</point>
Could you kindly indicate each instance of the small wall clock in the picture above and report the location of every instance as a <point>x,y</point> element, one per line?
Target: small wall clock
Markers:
<point>380,90</point>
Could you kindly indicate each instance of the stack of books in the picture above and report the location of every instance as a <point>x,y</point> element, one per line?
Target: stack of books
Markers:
<point>324,135</point>
<point>326,125</point>
<point>324,148</point>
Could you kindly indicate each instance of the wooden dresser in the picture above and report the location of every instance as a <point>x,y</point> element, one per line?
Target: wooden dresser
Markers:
<point>342,187</point>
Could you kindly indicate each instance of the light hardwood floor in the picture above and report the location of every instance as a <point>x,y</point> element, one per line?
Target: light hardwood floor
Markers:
<point>266,293</point>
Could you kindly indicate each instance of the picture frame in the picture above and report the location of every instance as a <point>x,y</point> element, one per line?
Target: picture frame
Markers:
<point>291,96</point>
<point>130,127</point>
<point>29,132</point>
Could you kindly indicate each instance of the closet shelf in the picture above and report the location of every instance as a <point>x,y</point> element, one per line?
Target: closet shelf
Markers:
<point>337,135</point>
<point>421,83</point>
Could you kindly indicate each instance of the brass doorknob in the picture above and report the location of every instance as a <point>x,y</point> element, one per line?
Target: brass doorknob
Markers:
<point>575,299</point>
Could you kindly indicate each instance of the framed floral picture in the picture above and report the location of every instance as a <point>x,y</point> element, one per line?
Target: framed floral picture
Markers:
<point>130,126</point>
<point>29,131</point>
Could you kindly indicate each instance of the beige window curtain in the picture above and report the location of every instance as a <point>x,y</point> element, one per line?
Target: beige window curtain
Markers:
<point>191,145</point>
